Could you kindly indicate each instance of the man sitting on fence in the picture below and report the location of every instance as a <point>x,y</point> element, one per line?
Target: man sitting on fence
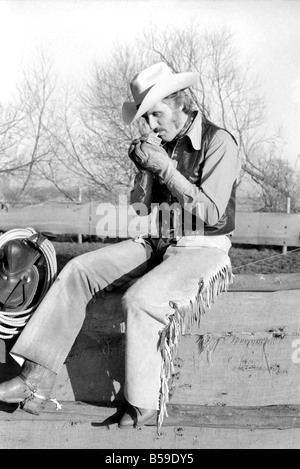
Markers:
<point>178,273</point>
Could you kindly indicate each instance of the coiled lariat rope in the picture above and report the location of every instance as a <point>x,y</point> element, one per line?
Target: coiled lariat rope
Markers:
<point>11,323</point>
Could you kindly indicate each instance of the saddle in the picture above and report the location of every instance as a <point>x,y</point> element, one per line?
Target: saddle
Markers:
<point>22,270</point>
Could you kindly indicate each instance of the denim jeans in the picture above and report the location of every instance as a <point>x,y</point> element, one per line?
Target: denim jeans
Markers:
<point>165,273</point>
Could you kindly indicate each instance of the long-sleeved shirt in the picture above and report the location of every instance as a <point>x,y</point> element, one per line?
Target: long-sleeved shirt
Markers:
<point>204,182</point>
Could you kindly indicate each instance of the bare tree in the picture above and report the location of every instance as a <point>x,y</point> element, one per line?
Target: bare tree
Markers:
<point>89,142</point>
<point>281,181</point>
<point>25,124</point>
<point>227,93</point>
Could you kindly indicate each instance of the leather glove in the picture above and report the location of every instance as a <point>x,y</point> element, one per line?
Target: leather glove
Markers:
<point>131,152</point>
<point>152,158</point>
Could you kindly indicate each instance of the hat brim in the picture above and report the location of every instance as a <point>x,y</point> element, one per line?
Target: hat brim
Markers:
<point>159,91</point>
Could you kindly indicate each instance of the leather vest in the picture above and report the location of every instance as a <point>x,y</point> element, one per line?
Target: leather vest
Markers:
<point>190,164</point>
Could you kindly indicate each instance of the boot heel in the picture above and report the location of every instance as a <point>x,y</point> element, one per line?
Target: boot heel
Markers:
<point>33,405</point>
<point>32,388</point>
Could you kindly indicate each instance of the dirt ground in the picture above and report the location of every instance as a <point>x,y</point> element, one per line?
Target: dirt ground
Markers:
<point>245,260</point>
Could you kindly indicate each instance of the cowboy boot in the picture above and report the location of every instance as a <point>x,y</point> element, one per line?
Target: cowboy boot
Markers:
<point>31,388</point>
<point>136,416</point>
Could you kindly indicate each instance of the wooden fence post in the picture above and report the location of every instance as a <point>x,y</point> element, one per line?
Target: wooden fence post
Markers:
<point>288,210</point>
<point>79,236</point>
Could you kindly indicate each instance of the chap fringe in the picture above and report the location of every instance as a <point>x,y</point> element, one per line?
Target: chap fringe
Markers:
<point>186,313</point>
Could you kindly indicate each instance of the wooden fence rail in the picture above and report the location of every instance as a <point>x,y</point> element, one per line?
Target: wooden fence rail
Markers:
<point>236,378</point>
<point>106,220</point>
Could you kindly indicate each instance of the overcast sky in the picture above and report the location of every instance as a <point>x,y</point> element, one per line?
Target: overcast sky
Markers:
<point>78,32</point>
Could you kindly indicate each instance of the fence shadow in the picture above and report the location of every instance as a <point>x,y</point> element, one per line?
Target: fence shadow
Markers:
<point>95,367</point>
<point>94,370</point>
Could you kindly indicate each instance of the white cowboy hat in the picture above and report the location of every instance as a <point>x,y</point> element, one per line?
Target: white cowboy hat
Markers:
<point>151,86</point>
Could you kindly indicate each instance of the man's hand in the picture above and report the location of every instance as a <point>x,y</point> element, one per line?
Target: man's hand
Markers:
<point>152,158</point>
<point>131,152</point>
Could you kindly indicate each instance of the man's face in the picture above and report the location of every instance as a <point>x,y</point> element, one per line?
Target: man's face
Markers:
<point>165,120</point>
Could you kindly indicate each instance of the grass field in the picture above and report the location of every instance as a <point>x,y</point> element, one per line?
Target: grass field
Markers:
<point>244,260</point>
